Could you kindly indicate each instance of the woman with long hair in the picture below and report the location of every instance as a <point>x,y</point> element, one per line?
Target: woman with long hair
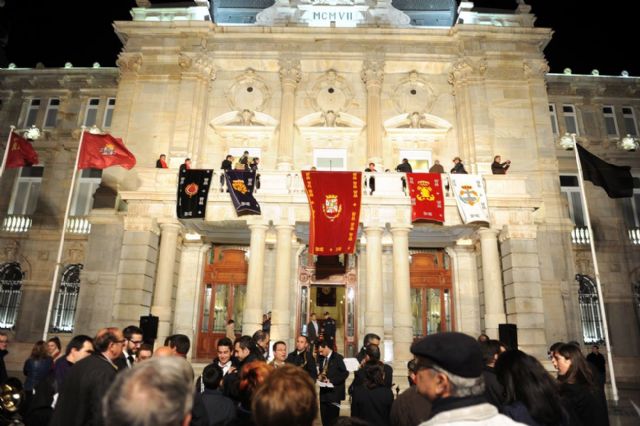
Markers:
<point>35,369</point>
<point>530,393</point>
<point>371,400</point>
<point>577,387</point>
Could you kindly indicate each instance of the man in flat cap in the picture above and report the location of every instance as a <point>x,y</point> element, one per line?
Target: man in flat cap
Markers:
<point>449,374</point>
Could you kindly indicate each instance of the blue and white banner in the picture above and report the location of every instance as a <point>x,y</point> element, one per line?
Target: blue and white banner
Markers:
<point>470,197</point>
<point>241,184</point>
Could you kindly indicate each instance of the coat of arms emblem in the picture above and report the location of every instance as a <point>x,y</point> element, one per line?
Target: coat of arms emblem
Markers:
<point>108,149</point>
<point>332,207</point>
<point>468,195</point>
<point>191,189</point>
<point>425,191</point>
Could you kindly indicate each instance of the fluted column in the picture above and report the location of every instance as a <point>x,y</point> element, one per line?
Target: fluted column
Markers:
<point>466,296</point>
<point>372,75</point>
<point>290,76</point>
<point>374,314</point>
<point>252,316</point>
<point>402,317</point>
<point>280,315</point>
<point>492,281</point>
<point>163,290</point>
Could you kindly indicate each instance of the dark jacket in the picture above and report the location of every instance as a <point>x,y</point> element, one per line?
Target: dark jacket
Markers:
<point>586,403</point>
<point>499,168</point>
<point>79,401</point>
<point>35,370</point>
<point>493,390</point>
<point>337,374</point>
<point>372,405</point>
<point>312,333</point>
<point>305,361</point>
<point>220,409</point>
<point>459,169</point>
<point>404,168</point>
<point>410,408</point>
<point>226,165</point>
<point>329,330</point>
<point>359,376</point>
<point>3,368</point>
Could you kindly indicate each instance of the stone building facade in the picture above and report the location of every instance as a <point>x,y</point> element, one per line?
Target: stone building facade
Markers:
<point>301,89</point>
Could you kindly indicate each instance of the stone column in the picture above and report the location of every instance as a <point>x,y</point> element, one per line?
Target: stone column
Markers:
<point>252,316</point>
<point>492,281</point>
<point>290,76</point>
<point>466,296</point>
<point>402,318</point>
<point>372,75</point>
<point>163,290</point>
<point>185,317</point>
<point>280,315</point>
<point>374,314</point>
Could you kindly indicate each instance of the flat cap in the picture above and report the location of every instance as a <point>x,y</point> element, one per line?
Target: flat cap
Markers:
<point>455,352</point>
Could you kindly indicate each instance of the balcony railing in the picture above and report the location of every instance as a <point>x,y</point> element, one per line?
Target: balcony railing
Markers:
<point>634,236</point>
<point>78,225</point>
<point>16,223</point>
<point>580,235</point>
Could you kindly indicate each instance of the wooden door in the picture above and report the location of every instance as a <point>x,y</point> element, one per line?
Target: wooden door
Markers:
<point>222,296</point>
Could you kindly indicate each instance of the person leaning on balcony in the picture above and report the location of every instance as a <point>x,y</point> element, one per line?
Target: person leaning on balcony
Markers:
<point>161,163</point>
<point>458,167</point>
<point>498,168</point>
<point>436,168</point>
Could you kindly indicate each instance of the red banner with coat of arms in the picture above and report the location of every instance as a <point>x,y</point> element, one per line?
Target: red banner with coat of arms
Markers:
<point>427,199</point>
<point>334,204</point>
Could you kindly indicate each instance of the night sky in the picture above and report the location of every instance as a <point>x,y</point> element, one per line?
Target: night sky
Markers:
<point>587,35</point>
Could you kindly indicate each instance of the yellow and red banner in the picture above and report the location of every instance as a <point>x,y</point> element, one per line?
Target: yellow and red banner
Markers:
<point>427,199</point>
<point>334,204</point>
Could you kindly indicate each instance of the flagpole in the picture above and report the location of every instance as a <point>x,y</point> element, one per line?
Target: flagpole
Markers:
<point>614,387</point>
<point>6,151</point>
<point>61,245</point>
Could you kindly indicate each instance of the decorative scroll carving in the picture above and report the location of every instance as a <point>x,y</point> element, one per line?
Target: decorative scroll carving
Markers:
<point>129,62</point>
<point>290,72</point>
<point>372,73</point>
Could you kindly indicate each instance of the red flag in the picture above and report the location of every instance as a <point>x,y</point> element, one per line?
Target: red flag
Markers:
<point>427,200</point>
<point>102,151</point>
<point>334,203</point>
<point>21,153</point>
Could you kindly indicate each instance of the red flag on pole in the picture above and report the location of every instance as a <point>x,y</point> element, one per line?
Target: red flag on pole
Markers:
<point>102,151</point>
<point>334,203</point>
<point>427,200</point>
<point>21,153</point>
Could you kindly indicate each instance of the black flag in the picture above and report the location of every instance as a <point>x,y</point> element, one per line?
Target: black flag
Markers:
<point>615,180</point>
<point>193,189</point>
<point>241,184</point>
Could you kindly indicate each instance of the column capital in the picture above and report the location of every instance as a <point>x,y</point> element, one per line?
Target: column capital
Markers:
<point>290,72</point>
<point>284,226</point>
<point>170,227</point>
<point>258,226</point>
<point>486,233</point>
<point>401,228</point>
<point>373,228</point>
<point>372,73</point>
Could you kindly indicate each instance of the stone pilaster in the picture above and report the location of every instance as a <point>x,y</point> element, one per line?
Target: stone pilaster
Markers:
<point>492,281</point>
<point>402,317</point>
<point>163,291</point>
<point>290,76</point>
<point>252,316</point>
<point>466,295</point>
<point>281,314</point>
<point>372,75</point>
<point>374,313</point>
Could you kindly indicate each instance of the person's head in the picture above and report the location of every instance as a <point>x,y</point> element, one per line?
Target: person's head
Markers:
<point>412,369</point>
<point>261,338</point>
<point>326,315</point>
<point>4,341</point>
<point>252,375</point>
<point>187,161</point>
<point>525,380</point>
<point>179,344</point>
<point>572,365</point>
<point>372,352</point>
<point>373,373</point>
<point>457,160</point>
<point>242,347</point>
<point>133,335</point>
<point>256,160</point>
<point>212,376</point>
<point>302,343</point>
<point>80,347</point>
<point>245,154</point>
<point>163,157</point>
<point>497,159</point>
<point>280,351</point>
<point>229,157</point>
<point>595,349</point>
<point>372,165</point>
<point>312,317</point>
<point>224,349</point>
<point>324,349</point>
<point>163,351</point>
<point>39,350</point>
<point>157,392</point>
<point>405,160</point>
<point>264,317</point>
<point>448,365</point>
<point>230,322</point>
<point>287,396</point>
<point>490,351</point>
<point>371,339</point>
<point>551,354</point>
<point>109,342</point>
<point>436,162</point>
<point>483,338</point>
<point>145,352</point>
<point>54,347</point>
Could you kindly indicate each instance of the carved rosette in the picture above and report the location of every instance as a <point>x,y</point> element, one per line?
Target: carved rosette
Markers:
<point>290,71</point>
<point>248,92</point>
<point>464,69</point>
<point>129,62</point>
<point>331,93</point>
<point>372,73</point>
<point>413,95</point>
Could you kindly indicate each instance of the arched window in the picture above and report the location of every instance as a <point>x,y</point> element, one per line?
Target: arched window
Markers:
<point>589,310</point>
<point>11,276</point>
<point>67,299</point>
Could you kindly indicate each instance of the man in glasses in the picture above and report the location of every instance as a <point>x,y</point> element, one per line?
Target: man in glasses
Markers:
<point>133,337</point>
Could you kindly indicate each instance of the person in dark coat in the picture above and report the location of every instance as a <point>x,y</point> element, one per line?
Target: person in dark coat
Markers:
<point>226,166</point>
<point>220,409</point>
<point>458,167</point>
<point>329,330</point>
<point>499,168</point>
<point>371,354</point>
<point>436,168</point>
<point>161,163</point>
<point>577,388</point>
<point>404,167</point>
<point>244,160</point>
<point>333,371</point>
<point>4,344</point>
<point>80,399</point>
<point>493,390</point>
<point>596,359</point>
<point>372,400</point>
<point>313,331</point>
<point>410,408</point>
<point>301,357</point>
<point>372,180</point>
<point>186,165</point>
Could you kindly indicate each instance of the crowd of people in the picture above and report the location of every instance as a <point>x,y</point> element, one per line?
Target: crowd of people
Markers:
<point>116,378</point>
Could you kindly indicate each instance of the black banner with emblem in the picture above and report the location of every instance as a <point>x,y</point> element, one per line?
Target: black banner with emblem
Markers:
<point>193,189</point>
<point>241,184</point>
